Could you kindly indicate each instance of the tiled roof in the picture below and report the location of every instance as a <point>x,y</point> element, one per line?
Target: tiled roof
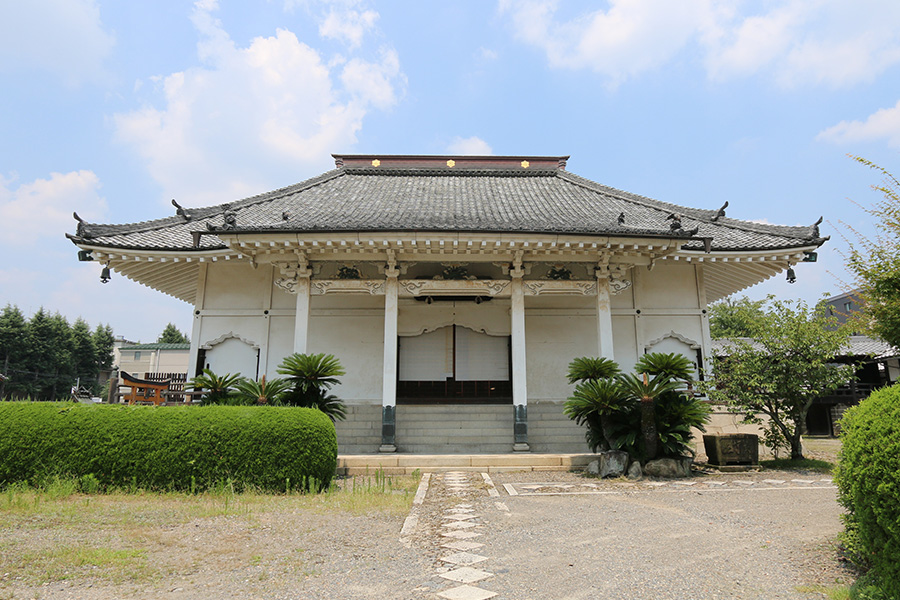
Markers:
<point>157,346</point>
<point>857,345</point>
<point>428,198</point>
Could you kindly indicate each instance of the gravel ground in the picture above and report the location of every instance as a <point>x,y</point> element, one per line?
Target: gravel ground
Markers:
<point>631,541</point>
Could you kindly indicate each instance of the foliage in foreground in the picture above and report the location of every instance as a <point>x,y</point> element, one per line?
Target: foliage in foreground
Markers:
<point>787,366</point>
<point>648,414</point>
<point>868,479</point>
<point>176,449</point>
<point>876,262</point>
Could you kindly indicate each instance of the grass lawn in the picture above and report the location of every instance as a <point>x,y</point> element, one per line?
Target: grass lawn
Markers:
<point>56,534</point>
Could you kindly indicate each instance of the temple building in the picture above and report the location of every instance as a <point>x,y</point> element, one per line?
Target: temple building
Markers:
<point>454,290</point>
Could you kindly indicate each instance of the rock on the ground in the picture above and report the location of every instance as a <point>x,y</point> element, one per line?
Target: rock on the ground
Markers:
<point>668,467</point>
<point>634,471</point>
<point>611,463</point>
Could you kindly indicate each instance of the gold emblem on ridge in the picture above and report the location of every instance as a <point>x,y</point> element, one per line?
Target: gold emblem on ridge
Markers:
<point>525,164</point>
<point>451,163</point>
<point>376,162</point>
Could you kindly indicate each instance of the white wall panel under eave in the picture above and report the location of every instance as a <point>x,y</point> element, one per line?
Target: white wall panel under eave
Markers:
<point>352,329</point>
<point>669,286</point>
<point>232,285</point>
<point>553,337</point>
<point>624,341</point>
<point>281,344</point>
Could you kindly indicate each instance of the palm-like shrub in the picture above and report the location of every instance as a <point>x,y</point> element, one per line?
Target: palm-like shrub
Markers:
<point>588,368</point>
<point>310,377</point>
<point>646,391</point>
<point>593,403</point>
<point>218,388</point>
<point>672,366</point>
<point>647,414</point>
<point>262,391</point>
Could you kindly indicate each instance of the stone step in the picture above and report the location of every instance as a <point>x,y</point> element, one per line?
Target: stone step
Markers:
<point>403,463</point>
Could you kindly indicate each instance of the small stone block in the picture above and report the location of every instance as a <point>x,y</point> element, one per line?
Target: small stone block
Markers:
<point>461,535</point>
<point>684,483</point>
<point>457,517</point>
<point>462,545</point>
<point>774,481</point>
<point>459,511</point>
<point>467,592</point>
<point>715,483</point>
<point>466,575</point>
<point>802,481</point>
<point>743,482</point>
<point>458,525</point>
<point>464,558</point>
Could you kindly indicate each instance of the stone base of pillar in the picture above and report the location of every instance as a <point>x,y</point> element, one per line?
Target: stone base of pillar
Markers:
<point>521,448</point>
<point>387,448</point>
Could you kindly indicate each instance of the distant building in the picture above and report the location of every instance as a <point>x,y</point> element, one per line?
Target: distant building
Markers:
<point>140,359</point>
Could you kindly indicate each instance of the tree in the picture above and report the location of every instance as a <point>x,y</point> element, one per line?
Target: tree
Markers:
<point>104,342</point>
<point>218,388</point>
<point>876,262</point>
<point>171,335</point>
<point>12,350</point>
<point>735,318</point>
<point>84,354</point>
<point>788,364</point>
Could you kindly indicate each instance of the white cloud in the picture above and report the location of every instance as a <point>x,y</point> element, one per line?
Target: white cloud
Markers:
<point>472,146</point>
<point>794,42</point>
<point>630,37</point>
<point>883,124</point>
<point>41,209</point>
<point>255,117</point>
<point>64,37</point>
<point>348,26</point>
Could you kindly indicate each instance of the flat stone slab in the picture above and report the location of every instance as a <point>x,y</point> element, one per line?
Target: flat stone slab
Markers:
<point>464,559</point>
<point>458,525</point>
<point>461,535</point>
<point>467,592</point>
<point>466,575</point>
<point>460,517</point>
<point>462,545</point>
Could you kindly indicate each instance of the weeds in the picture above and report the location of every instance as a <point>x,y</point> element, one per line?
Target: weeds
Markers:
<point>803,464</point>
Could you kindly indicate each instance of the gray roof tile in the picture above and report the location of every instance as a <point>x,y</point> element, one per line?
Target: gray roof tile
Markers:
<point>540,200</point>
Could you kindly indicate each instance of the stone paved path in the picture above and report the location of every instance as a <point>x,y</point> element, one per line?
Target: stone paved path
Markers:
<point>662,539</point>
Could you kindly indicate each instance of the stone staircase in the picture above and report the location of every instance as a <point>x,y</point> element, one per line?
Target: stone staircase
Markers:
<point>400,464</point>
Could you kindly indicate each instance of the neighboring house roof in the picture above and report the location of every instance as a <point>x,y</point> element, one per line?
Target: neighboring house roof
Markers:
<point>477,196</point>
<point>156,347</point>
<point>857,345</point>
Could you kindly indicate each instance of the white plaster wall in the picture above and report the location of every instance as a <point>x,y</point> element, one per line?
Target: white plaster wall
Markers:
<point>352,329</point>
<point>237,286</point>
<point>667,286</point>
<point>557,330</point>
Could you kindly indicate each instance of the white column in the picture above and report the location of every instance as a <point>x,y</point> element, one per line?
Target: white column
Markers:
<point>389,384</point>
<point>389,374</point>
<point>301,320</point>
<point>604,320</point>
<point>519,374</point>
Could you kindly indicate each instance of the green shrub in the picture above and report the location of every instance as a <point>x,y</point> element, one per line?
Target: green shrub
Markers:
<point>868,477</point>
<point>187,449</point>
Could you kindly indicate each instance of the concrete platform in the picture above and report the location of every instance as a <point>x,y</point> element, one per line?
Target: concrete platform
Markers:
<point>404,464</point>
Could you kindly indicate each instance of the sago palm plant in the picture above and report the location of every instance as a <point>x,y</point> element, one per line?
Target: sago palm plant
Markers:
<point>217,387</point>
<point>640,387</point>
<point>593,403</point>
<point>263,391</point>
<point>310,377</point>
<point>589,368</point>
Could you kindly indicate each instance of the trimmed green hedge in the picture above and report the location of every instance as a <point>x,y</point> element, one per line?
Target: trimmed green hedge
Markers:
<point>868,478</point>
<point>177,448</point>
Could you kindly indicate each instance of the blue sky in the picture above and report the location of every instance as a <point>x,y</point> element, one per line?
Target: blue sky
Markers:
<point>112,109</point>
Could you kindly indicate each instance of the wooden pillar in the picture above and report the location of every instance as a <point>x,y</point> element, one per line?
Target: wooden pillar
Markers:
<point>519,373</point>
<point>389,375</point>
